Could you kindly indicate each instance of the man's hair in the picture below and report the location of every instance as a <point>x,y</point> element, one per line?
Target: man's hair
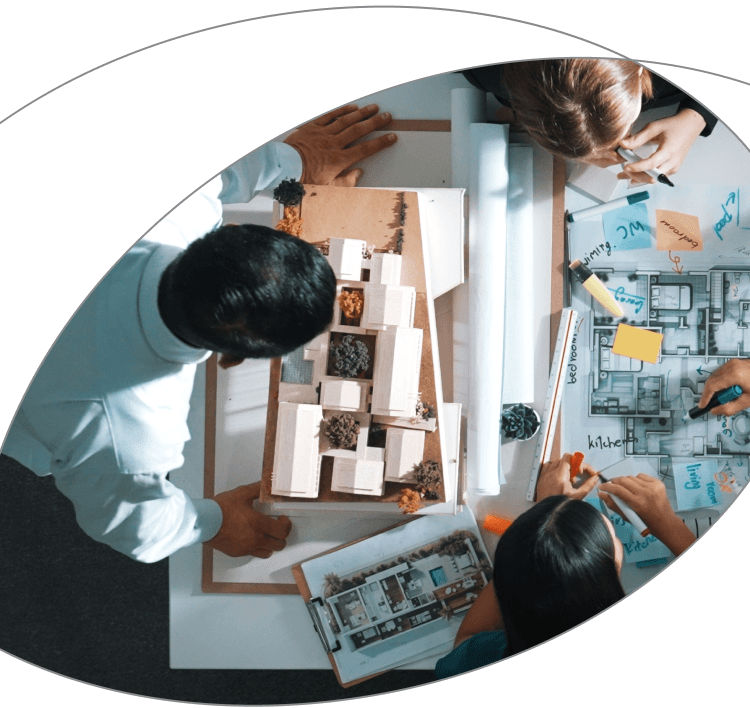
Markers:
<point>554,568</point>
<point>248,291</point>
<point>576,107</point>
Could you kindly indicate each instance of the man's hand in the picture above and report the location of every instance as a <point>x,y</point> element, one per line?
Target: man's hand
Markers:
<point>555,479</point>
<point>647,497</point>
<point>736,372</point>
<point>674,136</point>
<point>245,531</point>
<point>325,144</point>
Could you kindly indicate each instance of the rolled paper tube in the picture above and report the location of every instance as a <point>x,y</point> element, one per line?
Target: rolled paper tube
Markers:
<point>488,190</point>
<point>468,105</point>
<point>520,282</point>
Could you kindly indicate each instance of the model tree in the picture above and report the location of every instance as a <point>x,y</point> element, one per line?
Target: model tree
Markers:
<point>350,357</point>
<point>351,304</point>
<point>428,475</point>
<point>342,431</point>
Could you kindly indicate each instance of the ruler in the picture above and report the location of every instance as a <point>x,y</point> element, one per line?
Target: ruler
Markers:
<point>565,334</point>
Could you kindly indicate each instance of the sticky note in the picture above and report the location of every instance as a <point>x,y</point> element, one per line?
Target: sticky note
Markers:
<point>695,483</point>
<point>628,228</point>
<point>637,343</point>
<point>677,232</point>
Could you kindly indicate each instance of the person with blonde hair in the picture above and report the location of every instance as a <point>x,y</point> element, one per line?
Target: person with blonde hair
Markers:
<point>583,109</point>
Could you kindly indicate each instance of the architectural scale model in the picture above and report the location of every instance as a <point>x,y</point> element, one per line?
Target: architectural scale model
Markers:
<point>350,403</point>
<point>632,408</point>
<point>428,584</point>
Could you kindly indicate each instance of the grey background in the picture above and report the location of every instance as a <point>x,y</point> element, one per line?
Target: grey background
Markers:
<point>88,169</point>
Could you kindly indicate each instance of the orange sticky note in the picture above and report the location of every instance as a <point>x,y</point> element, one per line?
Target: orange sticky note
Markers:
<point>677,232</point>
<point>637,343</point>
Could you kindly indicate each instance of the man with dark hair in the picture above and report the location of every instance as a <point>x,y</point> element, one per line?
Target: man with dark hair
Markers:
<point>106,414</point>
<point>248,292</point>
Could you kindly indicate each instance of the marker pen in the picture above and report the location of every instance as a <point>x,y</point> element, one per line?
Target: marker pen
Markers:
<point>630,156</point>
<point>608,206</point>
<point>718,399</point>
<point>595,286</point>
<point>630,515</point>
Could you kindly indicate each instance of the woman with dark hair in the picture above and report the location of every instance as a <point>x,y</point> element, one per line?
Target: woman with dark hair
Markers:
<point>583,109</point>
<point>557,565</point>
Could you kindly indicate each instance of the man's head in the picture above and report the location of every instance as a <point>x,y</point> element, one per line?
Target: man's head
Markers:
<point>247,292</point>
<point>577,108</point>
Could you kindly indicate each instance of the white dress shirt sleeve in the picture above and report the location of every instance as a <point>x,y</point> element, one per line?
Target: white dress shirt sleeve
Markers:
<point>262,169</point>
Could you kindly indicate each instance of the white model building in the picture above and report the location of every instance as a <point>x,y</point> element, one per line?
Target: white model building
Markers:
<point>296,469</point>
<point>404,448</point>
<point>395,386</point>
<point>385,269</point>
<point>343,395</point>
<point>388,306</point>
<point>345,257</point>
<point>357,476</point>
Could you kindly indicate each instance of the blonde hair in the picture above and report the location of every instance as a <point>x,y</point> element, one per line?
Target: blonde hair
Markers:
<point>576,107</point>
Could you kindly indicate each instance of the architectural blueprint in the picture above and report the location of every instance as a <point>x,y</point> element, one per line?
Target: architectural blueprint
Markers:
<point>616,407</point>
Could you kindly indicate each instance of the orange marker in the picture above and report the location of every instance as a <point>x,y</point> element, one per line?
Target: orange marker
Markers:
<point>496,524</point>
<point>575,464</point>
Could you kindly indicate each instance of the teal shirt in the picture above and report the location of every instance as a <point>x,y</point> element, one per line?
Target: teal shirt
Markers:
<point>477,651</point>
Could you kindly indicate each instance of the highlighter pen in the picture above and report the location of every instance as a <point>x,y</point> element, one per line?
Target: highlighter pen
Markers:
<point>630,156</point>
<point>718,399</point>
<point>608,206</point>
<point>595,287</point>
<point>630,515</point>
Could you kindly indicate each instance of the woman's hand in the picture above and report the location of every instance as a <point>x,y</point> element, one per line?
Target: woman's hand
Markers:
<point>674,136</point>
<point>555,479</point>
<point>647,497</point>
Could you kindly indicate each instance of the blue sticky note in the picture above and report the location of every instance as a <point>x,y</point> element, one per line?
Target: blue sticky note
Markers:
<point>628,228</point>
<point>695,483</point>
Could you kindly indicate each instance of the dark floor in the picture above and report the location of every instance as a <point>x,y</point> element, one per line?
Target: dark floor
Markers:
<point>75,607</point>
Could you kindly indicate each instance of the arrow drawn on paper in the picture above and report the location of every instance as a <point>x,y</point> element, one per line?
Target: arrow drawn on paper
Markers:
<point>677,268</point>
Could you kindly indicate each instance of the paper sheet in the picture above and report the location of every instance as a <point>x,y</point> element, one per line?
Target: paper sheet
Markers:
<point>637,343</point>
<point>628,228</point>
<point>520,286</point>
<point>468,105</point>
<point>677,232</point>
<point>696,483</point>
<point>488,191</point>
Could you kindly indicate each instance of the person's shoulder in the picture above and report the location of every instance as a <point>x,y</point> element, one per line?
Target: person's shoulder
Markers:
<point>473,653</point>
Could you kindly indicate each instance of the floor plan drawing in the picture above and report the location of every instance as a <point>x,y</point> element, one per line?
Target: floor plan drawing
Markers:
<point>696,296</point>
<point>637,408</point>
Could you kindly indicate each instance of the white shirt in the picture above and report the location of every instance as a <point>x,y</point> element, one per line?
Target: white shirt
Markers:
<point>107,412</point>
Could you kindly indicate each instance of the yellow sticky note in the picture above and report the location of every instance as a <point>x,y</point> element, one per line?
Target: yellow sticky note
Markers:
<point>637,343</point>
<point>677,232</point>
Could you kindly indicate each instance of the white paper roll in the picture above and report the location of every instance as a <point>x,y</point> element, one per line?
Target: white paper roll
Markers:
<point>488,190</point>
<point>468,105</point>
<point>518,358</point>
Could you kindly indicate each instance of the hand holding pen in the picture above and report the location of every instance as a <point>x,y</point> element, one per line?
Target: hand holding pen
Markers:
<point>674,136</point>
<point>736,372</point>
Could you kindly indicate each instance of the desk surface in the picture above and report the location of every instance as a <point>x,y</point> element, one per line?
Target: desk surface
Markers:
<point>274,631</point>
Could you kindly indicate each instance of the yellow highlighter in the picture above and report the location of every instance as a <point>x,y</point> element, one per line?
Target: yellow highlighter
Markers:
<point>595,286</point>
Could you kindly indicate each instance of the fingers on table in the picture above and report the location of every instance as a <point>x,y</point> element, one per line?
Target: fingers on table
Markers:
<point>328,118</point>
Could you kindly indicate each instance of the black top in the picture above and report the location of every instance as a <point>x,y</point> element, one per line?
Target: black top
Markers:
<point>490,78</point>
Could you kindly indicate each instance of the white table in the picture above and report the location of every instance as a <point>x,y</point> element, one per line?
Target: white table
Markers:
<point>234,631</point>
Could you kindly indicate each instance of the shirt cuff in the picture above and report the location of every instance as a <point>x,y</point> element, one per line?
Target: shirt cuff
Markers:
<point>259,170</point>
<point>208,521</point>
